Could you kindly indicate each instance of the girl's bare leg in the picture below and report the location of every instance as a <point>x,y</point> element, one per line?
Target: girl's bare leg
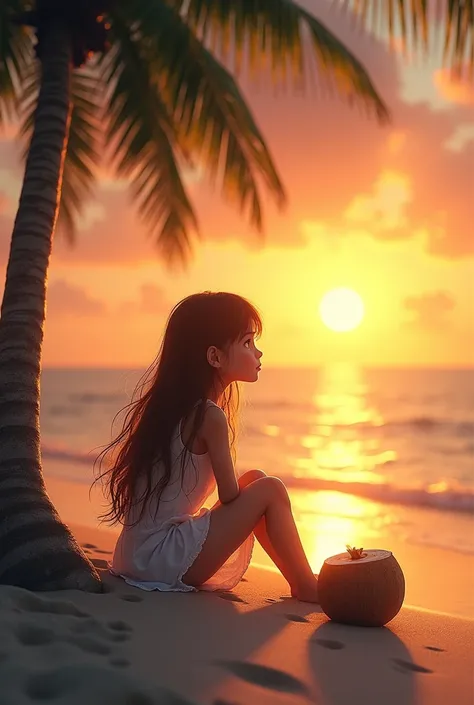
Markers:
<point>232,523</point>
<point>260,530</point>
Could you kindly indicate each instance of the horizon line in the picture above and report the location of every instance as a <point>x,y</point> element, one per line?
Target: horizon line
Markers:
<point>407,366</point>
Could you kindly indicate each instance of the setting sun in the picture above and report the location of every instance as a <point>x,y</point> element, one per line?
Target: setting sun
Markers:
<point>341,310</point>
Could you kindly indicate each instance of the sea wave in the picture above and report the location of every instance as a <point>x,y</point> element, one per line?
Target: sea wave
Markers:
<point>440,496</point>
<point>427,424</point>
<point>68,455</point>
<point>463,428</point>
<point>88,398</point>
<point>437,542</point>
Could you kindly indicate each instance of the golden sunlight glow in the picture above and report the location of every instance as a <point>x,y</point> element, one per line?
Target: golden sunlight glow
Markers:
<point>329,520</point>
<point>341,310</point>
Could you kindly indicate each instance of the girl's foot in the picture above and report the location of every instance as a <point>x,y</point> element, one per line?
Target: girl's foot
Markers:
<point>307,593</point>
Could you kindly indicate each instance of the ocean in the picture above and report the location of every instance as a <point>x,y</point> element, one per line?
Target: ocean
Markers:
<point>361,451</point>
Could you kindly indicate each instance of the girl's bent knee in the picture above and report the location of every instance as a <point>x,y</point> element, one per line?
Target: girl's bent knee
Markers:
<point>253,475</point>
<point>275,488</point>
<point>250,476</point>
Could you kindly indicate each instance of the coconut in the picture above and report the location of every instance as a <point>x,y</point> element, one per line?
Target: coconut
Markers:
<point>360,587</point>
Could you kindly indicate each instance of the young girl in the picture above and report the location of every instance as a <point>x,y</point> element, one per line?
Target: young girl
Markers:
<point>176,445</point>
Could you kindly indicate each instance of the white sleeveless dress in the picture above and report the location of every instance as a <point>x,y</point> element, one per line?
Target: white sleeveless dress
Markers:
<point>156,553</point>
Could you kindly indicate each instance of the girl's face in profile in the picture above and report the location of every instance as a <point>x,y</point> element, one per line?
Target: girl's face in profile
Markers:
<point>241,363</point>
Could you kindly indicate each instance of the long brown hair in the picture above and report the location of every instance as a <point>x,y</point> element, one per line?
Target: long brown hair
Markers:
<point>178,379</point>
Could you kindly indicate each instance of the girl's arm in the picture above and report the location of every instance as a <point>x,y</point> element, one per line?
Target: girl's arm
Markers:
<point>215,433</point>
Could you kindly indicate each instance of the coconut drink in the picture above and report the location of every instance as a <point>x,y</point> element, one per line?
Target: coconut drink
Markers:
<point>361,587</point>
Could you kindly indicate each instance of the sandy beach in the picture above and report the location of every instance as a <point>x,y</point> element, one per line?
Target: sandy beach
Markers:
<point>253,645</point>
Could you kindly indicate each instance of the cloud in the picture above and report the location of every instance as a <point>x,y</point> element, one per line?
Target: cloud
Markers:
<point>441,205</point>
<point>383,210</point>
<point>65,300</point>
<point>151,301</point>
<point>424,190</point>
<point>429,310</point>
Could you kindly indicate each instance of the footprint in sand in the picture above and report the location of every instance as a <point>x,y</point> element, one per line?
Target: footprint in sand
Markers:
<point>296,618</point>
<point>270,599</point>
<point>403,665</point>
<point>95,628</point>
<point>434,648</point>
<point>119,625</point>
<point>266,677</point>
<point>231,597</point>
<point>89,635</point>
<point>30,602</point>
<point>131,598</point>
<point>330,644</point>
<point>79,684</point>
<point>88,545</point>
<point>34,635</point>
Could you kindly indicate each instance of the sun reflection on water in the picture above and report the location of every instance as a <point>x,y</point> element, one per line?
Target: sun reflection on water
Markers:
<point>341,440</point>
<point>342,445</point>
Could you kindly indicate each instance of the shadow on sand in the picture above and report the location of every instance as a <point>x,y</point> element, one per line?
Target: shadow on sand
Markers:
<point>361,665</point>
<point>220,635</point>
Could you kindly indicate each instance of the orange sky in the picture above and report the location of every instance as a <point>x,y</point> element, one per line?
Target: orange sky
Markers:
<point>387,211</point>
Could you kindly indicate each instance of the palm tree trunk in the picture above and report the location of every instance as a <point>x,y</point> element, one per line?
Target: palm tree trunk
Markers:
<point>37,551</point>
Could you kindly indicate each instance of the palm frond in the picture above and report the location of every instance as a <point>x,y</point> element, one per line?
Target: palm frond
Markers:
<point>82,154</point>
<point>15,52</point>
<point>274,33</point>
<point>211,116</point>
<point>144,141</point>
<point>418,24</point>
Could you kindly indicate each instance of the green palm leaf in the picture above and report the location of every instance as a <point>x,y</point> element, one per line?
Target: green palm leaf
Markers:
<point>212,119</point>
<point>410,20</point>
<point>15,54</point>
<point>273,33</point>
<point>145,146</point>
<point>82,154</point>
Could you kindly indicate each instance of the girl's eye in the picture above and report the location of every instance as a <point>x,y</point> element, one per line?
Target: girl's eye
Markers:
<point>247,342</point>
